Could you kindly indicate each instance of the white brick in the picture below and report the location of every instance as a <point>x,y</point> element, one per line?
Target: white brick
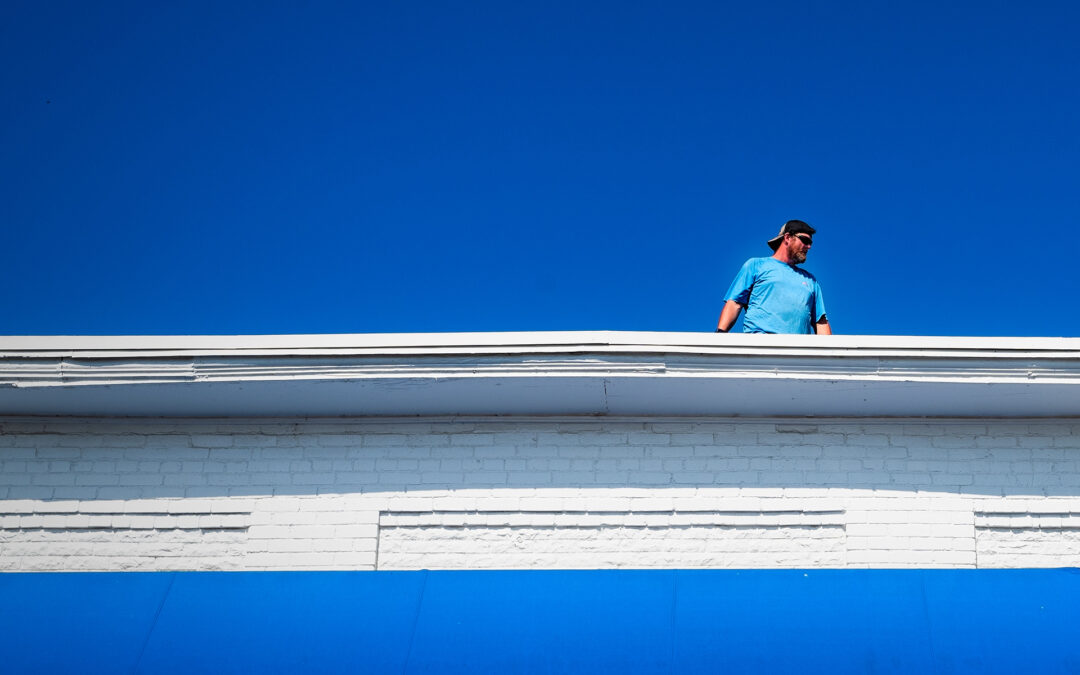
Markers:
<point>908,489</point>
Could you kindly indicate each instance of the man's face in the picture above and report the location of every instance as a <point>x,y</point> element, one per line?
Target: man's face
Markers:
<point>798,246</point>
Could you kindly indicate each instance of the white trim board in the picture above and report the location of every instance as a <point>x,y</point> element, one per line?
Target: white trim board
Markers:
<point>558,373</point>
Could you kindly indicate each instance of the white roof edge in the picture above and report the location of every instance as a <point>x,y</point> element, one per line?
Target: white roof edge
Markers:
<point>541,373</point>
<point>368,341</point>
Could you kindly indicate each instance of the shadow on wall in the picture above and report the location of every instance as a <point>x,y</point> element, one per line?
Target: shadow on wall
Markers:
<point>122,460</point>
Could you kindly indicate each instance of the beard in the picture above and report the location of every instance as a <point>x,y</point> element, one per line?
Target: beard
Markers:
<point>798,257</point>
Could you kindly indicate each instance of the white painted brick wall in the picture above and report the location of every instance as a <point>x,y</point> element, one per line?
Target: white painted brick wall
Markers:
<point>297,494</point>
<point>566,540</point>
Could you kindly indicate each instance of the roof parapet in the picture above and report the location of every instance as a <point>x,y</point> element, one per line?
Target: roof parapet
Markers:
<point>542,373</point>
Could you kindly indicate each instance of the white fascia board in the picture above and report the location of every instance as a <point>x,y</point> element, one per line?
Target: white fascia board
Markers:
<point>437,342</point>
<point>546,373</point>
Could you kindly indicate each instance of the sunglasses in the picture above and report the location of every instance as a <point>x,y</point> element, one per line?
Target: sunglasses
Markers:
<point>806,239</point>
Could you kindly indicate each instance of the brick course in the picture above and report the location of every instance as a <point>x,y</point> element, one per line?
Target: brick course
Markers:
<point>527,492</point>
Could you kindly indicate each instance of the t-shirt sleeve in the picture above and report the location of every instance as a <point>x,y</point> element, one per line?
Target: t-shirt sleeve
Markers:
<point>739,291</point>
<point>819,303</point>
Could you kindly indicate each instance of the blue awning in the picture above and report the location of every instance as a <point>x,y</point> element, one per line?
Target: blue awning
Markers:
<point>732,621</point>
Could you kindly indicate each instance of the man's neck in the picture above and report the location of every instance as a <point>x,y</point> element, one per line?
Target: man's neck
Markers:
<point>782,256</point>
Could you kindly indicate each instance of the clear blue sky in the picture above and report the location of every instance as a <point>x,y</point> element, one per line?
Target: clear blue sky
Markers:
<point>319,167</point>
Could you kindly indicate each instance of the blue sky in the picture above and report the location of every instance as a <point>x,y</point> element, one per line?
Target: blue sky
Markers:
<point>319,167</point>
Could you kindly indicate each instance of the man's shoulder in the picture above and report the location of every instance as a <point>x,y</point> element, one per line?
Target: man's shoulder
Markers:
<point>766,262</point>
<point>757,263</point>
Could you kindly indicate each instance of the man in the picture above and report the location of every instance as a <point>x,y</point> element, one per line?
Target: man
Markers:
<point>778,296</point>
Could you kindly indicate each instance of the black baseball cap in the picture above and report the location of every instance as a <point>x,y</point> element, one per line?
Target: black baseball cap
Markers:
<point>790,227</point>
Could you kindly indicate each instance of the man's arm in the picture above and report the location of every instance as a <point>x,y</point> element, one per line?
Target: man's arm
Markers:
<point>728,316</point>
<point>823,327</point>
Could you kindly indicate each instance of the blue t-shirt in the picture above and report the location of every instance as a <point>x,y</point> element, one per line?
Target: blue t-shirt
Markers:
<point>779,298</point>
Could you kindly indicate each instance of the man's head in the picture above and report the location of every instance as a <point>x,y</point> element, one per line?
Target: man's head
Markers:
<point>794,241</point>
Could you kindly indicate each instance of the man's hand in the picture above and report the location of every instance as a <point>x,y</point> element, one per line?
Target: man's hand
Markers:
<point>728,316</point>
